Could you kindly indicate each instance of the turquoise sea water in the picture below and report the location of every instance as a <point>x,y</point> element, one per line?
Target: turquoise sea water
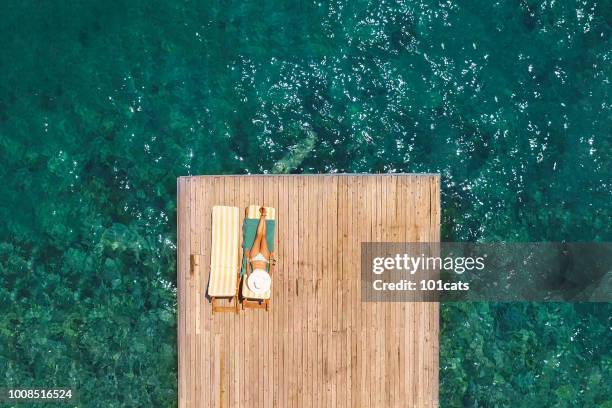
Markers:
<point>104,104</point>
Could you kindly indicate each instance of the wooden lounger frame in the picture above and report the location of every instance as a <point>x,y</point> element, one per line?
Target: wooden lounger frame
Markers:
<point>257,303</point>
<point>195,268</point>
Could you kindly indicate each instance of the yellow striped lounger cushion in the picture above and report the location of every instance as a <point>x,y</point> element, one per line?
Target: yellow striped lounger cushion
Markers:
<point>224,255</point>
<point>253,212</point>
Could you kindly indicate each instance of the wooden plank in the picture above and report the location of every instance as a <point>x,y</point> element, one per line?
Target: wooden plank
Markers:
<point>248,320</point>
<point>235,335</point>
<point>197,188</point>
<point>271,199</point>
<point>182,257</point>
<point>190,304</point>
<point>242,380</point>
<point>281,307</point>
<point>206,318</point>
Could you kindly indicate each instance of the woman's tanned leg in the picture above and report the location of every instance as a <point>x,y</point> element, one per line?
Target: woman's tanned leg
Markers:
<point>260,245</point>
<point>261,231</point>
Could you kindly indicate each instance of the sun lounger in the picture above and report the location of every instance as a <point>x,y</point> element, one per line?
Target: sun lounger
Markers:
<point>251,299</point>
<point>225,257</point>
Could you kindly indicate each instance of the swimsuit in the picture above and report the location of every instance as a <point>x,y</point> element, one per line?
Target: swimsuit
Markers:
<point>259,258</point>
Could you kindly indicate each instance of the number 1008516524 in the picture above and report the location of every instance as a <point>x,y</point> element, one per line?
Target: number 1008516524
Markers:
<point>36,394</point>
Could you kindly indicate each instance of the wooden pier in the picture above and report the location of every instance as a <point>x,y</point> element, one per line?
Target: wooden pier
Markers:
<point>319,345</point>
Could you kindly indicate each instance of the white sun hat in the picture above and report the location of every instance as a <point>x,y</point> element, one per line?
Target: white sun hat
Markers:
<point>259,281</point>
